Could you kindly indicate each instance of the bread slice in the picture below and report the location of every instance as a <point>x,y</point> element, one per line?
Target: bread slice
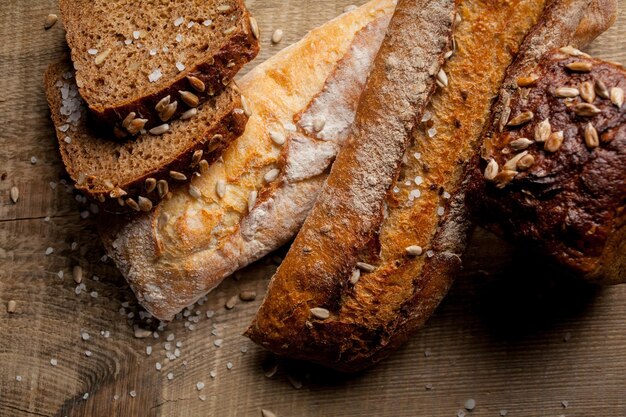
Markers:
<point>347,303</point>
<point>129,55</point>
<point>138,173</point>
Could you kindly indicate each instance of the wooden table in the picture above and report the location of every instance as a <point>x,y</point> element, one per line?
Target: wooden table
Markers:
<point>512,334</point>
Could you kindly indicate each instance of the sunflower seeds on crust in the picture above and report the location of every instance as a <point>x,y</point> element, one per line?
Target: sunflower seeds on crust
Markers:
<point>178,176</point>
<point>527,81</point>
<point>159,130</point>
<point>617,96</point>
<point>168,111</point>
<point>196,83</point>
<point>136,125</point>
<point>579,66</point>
<point>543,130</point>
<point>132,204</point>
<point>591,136</point>
<point>129,118</point>
<point>162,188</point>
<point>255,28</point>
<point>50,21</point>
<point>189,114</point>
<point>189,98</point>
<point>566,92</point>
<point>520,144</point>
<point>587,92</point>
<point>150,184</point>
<point>504,177</point>
<point>491,170</point>
<point>520,119</point>
<point>586,110</point>
<point>554,142</point>
<point>363,266</point>
<point>511,164</point>
<point>525,162</point>
<point>320,313</point>
<point>144,203</point>
<point>160,106</point>
<point>601,90</point>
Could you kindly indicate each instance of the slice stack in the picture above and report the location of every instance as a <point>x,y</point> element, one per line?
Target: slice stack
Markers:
<point>150,100</point>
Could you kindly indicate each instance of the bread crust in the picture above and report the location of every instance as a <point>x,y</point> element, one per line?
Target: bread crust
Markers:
<point>370,318</point>
<point>172,265</point>
<point>570,203</point>
<point>221,64</point>
<point>230,123</point>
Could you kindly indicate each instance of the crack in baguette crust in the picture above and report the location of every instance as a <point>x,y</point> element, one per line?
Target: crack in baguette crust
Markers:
<point>185,247</point>
<point>385,306</point>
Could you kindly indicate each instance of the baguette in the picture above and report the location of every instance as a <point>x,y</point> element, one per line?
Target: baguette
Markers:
<point>130,54</point>
<point>346,302</point>
<point>186,246</point>
<point>134,175</point>
<point>561,192</point>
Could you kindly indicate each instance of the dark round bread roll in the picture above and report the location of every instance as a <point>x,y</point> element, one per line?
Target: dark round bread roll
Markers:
<point>552,170</point>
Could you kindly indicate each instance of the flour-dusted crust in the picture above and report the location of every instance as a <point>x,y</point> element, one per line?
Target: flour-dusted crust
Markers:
<point>186,246</point>
<point>395,290</point>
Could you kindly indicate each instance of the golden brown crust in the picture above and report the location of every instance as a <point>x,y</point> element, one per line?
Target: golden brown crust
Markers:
<point>369,318</point>
<point>566,197</point>
<point>599,17</point>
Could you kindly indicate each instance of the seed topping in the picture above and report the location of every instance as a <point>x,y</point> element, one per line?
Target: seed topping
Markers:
<point>365,267</point>
<point>442,78</point>
<point>50,21</point>
<point>150,184</point>
<point>189,114</point>
<point>492,170</point>
<point>586,110</point>
<point>255,28</point>
<point>162,188</point>
<point>144,203</point>
<point>320,313</point>
<point>511,164</point>
<point>159,130</point>
<point>100,58</point>
<point>520,144</point>
<point>554,142</point>
<point>178,176</point>
<point>525,162</point>
<point>220,188</point>
<point>196,83</point>
<point>527,81</point>
<point>591,136</point>
<point>414,250</point>
<point>587,92</point>
<point>521,119</point>
<point>617,97</point>
<point>566,92</point>
<point>579,66</point>
<point>189,98</point>
<point>132,204</point>
<point>277,36</point>
<point>601,89</point>
<point>15,194</point>
<point>543,130</point>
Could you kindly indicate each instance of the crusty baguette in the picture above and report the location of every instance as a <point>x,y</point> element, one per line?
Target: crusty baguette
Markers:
<point>325,307</point>
<point>186,246</point>
<point>562,194</point>
<point>130,54</point>
<point>134,175</point>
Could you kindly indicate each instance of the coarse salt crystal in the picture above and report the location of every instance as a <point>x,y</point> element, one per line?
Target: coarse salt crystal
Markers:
<point>128,41</point>
<point>213,374</point>
<point>419,180</point>
<point>88,353</point>
<point>417,155</point>
<point>153,52</point>
<point>136,34</point>
<point>148,350</point>
<point>179,38</point>
<point>53,362</point>
<point>49,250</point>
<point>179,21</point>
<point>155,75</point>
<point>170,376</point>
<point>207,22</point>
<point>229,365</point>
<point>190,24</point>
<point>218,342</point>
<point>440,211</point>
<point>199,385</point>
<point>158,366</point>
<point>414,194</point>
<point>63,128</point>
<point>180,66</point>
<point>92,51</point>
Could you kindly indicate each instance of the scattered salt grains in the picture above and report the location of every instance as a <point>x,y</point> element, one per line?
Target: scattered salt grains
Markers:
<point>417,155</point>
<point>244,349</point>
<point>88,353</point>
<point>148,350</point>
<point>53,185</point>
<point>60,274</point>
<point>200,386</point>
<point>85,336</point>
<point>407,183</point>
<point>170,376</point>
<point>158,366</point>
<point>179,344</point>
<point>153,52</point>
<point>567,337</point>
<point>446,195</point>
<point>84,214</point>
<point>440,211</point>
<point>396,189</point>
<point>418,180</point>
<point>430,253</point>
<point>190,24</point>
<point>503,413</point>
<point>116,397</point>
<point>207,22</point>
<point>177,353</point>
<point>414,194</point>
<point>85,396</point>
<point>170,337</point>
<point>179,38</point>
<point>564,404</point>
<point>49,251</point>
<point>210,313</point>
<point>136,34</point>
<point>64,128</point>
<point>33,160</point>
<point>213,374</point>
<point>179,21</point>
<point>165,49</point>
<point>432,132</point>
<point>18,378</point>
<point>470,404</point>
<point>133,394</point>
<point>427,352</point>
<point>349,8</point>
<point>202,397</point>
<point>46,219</point>
<point>180,66</point>
<point>229,365</point>
<point>429,387</point>
<point>67,139</point>
<point>94,294</point>
<point>218,342</point>
<point>92,51</point>
<point>460,413</point>
<point>53,362</point>
<point>167,346</point>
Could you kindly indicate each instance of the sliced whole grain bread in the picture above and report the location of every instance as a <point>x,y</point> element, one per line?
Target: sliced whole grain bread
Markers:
<point>136,174</point>
<point>130,55</point>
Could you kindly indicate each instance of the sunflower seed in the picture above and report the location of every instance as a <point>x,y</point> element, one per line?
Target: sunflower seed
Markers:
<point>511,164</point>
<point>586,110</point>
<point>195,192</point>
<point>178,176</point>
<point>617,96</point>
<point>203,166</point>
<point>220,188</point>
<point>11,306</point>
<point>50,21</point>
<point>365,267</point>
<point>320,313</point>
<point>442,77</point>
<point>277,36</point>
<point>223,7</point>
<point>525,162</point>
<point>117,193</point>
<point>230,30</point>
<point>277,137</point>
<point>543,130</point>
<point>189,114</point>
<point>142,333</point>
<point>160,129</point>
<point>196,83</point>
<point>267,413</point>
<point>591,136</point>
<point>587,92</point>
<point>504,177</point>
<point>129,118</point>
<point>414,250</point>
<point>246,107</point>
<point>162,188</point>
<point>150,184</point>
<point>570,50</point>
<point>168,111</point>
<point>15,194</point>
<point>144,204</point>
<point>189,98</point>
<point>579,66</point>
<point>252,199</point>
<point>160,106</point>
<point>271,175</point>
<point>231,302</point>
<point>99,60</point>
<point>132,204</point>
<point>554,142</point>
<point>448,54</point>
<point>247,295</point>
<point>492,170</point>
<point>527,81</point>
<point>601,90</point>
<point>521,119</point>
<point>504,117</point>
<point>520,144</point>
<point>563,92</point>
<point>136,125</point>
<point>354,277</point>
<point>77,274</point>
<point>255,28</point>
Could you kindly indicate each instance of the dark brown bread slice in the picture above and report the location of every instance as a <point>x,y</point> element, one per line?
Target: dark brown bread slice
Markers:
<point>138,173</point>
<point>325,307</point>
<point>557,183</point>
<point>119,48</point>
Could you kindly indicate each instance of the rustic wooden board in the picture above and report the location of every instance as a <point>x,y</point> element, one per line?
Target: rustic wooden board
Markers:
<point>512,334</point>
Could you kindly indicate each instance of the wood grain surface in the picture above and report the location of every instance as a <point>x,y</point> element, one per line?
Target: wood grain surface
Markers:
<point>513,334</point>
